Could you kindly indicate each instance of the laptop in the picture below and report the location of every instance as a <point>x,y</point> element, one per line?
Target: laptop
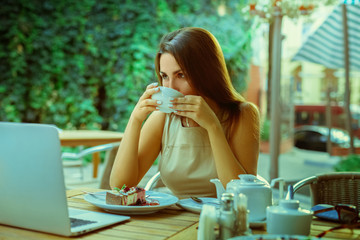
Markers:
<point>32,187</point>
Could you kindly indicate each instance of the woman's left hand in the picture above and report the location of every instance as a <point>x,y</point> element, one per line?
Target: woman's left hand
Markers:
<point>196,108</point>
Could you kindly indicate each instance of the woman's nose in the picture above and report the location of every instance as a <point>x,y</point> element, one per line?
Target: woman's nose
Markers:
<point>172,84</point>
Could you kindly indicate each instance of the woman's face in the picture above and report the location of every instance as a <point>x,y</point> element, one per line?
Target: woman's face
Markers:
<point>172,76</point>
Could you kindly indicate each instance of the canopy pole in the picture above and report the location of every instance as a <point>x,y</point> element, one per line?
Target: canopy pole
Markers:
<point>275,109</point>
<point>347,102</point>
<point>328,118</point>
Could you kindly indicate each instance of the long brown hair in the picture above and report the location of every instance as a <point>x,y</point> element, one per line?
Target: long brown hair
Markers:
<point>200,57</point>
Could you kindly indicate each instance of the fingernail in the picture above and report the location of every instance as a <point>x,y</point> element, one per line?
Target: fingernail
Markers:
<point>170,105</point>
<point>156,89</point>
<point>157,108</point>
<point>155,84</point>
<point>159,102</point>
<point>171,98</point>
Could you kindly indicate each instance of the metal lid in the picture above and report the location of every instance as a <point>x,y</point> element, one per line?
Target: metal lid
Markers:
<point>227,201</point>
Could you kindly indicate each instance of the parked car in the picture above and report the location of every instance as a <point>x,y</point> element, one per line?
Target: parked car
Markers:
<point>314,138</point>
<point>315,115</point>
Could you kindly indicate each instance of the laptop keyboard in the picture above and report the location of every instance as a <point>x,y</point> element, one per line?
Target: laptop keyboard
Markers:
<point>76,222</point>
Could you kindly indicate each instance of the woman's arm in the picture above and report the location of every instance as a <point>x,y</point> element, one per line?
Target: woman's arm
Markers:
<point>237,156</point>
<point>141,144</point>
<point>240,154</point>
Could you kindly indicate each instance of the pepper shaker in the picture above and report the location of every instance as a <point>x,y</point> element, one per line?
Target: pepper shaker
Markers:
<point>227,216</point>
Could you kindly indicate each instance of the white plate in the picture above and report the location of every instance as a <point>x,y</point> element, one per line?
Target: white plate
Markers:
<point>192,206</point>
<point>164,199</point>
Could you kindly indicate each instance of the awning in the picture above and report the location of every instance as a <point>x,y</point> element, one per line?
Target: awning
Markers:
<point>326,45</point>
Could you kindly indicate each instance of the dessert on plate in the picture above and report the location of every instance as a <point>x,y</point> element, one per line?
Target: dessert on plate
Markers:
<point>126,196</point>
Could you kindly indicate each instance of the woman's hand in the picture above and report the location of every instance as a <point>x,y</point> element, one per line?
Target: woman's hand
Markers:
<point>196,108</point>
<point>146,105</point>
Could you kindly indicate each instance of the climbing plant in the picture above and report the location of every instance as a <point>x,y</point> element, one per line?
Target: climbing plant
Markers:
<point>84,64</point>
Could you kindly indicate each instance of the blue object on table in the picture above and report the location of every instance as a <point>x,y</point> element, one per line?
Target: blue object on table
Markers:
<point>330,215</point>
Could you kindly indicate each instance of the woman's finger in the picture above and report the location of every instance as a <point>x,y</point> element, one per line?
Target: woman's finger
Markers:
<point>150,90</point>
<point>152,85</point>
<point>188,99</point>
<point>187,103</point>
<point>184,107</point>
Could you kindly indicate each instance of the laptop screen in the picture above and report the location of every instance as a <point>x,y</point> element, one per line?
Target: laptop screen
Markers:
<point>31,178</point>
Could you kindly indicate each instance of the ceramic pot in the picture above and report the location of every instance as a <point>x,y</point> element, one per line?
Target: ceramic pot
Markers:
<point>288,218</point>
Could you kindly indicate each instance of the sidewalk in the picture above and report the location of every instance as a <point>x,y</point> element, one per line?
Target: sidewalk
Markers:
<point>298,164</point>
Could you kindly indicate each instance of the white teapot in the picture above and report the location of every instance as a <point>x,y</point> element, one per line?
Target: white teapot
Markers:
<point>257,190</point>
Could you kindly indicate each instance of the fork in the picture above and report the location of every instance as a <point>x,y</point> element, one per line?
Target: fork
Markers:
<point>94,193</point>
<point>196,199</point>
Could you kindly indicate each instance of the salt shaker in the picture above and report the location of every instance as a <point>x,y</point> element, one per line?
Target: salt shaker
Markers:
<point>242,223</point>
<point>227,216</point>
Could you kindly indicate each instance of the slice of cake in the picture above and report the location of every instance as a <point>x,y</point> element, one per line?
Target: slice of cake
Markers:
<point>126,196</point>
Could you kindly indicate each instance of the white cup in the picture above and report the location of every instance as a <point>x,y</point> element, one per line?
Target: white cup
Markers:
<point>164,95</point>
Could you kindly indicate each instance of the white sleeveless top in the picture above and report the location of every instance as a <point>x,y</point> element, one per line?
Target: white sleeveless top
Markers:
<point>187,163</point>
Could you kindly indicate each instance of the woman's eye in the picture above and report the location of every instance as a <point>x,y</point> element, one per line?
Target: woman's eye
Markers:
<point>164,77</point>
<point>181,75</point>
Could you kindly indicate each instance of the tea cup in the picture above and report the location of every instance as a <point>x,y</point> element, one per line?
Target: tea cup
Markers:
<point>165,95</point>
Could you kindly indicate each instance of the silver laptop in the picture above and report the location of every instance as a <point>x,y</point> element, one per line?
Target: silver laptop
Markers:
<point>32,188</point>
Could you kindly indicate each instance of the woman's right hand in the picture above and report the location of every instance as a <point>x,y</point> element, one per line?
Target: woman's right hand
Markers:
<point>146,105</point>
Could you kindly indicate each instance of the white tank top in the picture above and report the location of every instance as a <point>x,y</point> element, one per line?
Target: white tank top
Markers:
<point>187,163</point>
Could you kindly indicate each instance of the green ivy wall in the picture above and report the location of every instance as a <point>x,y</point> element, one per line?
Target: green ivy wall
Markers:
<point>84,64</point>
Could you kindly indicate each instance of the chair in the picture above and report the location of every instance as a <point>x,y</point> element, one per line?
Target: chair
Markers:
<point>332,188</point>
<point>71,160</point>
<point>155,184</point>
<point>76,159</point>
<point>150,185</point>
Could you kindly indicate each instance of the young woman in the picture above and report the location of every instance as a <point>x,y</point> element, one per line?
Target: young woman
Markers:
<point>213,133</point>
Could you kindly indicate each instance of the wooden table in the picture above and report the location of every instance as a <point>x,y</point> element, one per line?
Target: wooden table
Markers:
<point>89,138</point>
<point>319,226</point>
<point>170,223</point>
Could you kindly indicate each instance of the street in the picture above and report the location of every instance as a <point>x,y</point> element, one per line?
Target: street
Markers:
<point>298,164</point>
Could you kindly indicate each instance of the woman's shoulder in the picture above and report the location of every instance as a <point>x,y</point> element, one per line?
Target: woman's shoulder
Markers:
<point>249,110</point>
<point>248,122</point>
<point>249,117</point>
